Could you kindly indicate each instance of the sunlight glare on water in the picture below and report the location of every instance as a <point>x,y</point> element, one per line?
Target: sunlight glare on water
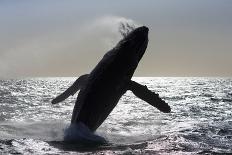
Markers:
<point>200,121</point>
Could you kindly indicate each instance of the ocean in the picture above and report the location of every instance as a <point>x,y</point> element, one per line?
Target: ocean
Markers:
<point>200,121</point>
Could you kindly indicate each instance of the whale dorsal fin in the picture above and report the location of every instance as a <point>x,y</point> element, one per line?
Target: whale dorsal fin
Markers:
<point>77,85</point>
<point>150,97</point>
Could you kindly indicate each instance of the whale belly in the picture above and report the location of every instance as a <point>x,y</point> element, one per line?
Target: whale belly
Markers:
<point>97,105</point>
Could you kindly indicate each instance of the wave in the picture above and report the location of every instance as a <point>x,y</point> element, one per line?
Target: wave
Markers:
<point>43,130</point>
<point>221,99</point>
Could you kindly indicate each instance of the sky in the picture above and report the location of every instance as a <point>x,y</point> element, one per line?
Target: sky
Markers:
<point>68,38</point>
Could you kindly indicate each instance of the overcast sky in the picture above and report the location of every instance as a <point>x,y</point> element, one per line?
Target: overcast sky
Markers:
<point>68,38</point>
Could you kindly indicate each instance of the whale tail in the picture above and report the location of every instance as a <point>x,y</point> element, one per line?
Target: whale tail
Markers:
<point>77,85</point>
<point>150,97</point>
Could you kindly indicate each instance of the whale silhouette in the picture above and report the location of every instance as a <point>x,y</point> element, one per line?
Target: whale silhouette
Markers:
<point>101,90</point>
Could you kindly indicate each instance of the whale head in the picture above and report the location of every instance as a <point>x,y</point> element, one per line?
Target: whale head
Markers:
<point>134,44</point>
<point>122,61</point>
<point>129,51</point>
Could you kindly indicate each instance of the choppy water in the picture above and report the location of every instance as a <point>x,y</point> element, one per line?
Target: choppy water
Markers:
<point>200,121</point>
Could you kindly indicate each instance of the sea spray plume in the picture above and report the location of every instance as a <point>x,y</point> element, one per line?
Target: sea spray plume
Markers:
<point>126,28</point>
<point>110,29</point>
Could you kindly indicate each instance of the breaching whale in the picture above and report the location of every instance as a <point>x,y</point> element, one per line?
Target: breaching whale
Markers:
<point>101,90</point>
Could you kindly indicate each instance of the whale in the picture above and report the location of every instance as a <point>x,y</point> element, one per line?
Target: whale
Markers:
<point>101,89</point>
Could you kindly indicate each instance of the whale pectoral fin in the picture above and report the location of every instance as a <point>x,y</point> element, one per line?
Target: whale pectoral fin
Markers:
<point>150,97</point>
<point>78,84</point>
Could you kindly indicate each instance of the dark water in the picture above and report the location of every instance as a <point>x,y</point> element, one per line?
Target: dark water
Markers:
<point>200,121</point>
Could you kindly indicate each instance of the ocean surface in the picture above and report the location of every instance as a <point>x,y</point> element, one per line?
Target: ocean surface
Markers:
<point>200,121</point>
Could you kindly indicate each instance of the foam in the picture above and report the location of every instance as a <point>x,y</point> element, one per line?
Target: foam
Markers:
<point>80,133</point>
